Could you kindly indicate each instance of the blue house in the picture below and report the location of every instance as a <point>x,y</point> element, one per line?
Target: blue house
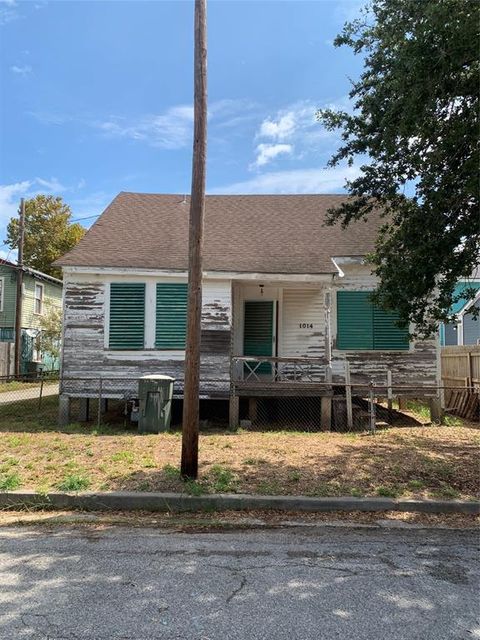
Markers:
<point>466,328</point>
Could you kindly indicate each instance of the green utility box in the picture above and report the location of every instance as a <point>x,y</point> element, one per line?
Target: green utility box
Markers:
<point>155,399</point>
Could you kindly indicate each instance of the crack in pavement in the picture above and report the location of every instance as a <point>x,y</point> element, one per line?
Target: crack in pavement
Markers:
<point>235,592</point>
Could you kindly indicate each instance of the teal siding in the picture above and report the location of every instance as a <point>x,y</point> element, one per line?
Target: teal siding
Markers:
<point>354,320</point>
<point>127,315</point>
<point>363,326</point>
<point>459,289</point>
<point>171,316</point>
<point>7,334</point>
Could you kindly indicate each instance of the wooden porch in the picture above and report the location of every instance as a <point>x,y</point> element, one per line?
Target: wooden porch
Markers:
<point>265,375</point>
<point>279,377</point>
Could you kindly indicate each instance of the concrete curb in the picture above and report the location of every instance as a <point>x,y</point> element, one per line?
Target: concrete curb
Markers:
<point>164,502</point>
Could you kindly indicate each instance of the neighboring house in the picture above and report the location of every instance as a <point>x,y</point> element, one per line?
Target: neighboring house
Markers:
<point>466,328</point>
<point>278,287</point>
<point>40,291</point>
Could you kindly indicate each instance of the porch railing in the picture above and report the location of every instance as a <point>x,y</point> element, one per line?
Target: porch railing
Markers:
<point>261,369</point>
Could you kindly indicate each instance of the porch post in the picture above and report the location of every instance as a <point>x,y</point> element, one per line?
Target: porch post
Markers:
<point>328,336</point>
<point>252,409</point>
<point>436,412</point>
<point>234,410</point>
<point>63,410</point>
<point>326,411</point>
<point>84,410</point>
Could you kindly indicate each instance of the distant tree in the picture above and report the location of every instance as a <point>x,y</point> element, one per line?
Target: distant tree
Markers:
<point>49,338</point>
<point>48,232</point>
<point>415,127</point>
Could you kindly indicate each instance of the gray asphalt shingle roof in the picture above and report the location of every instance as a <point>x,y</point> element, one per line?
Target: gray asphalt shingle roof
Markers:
<point>246,233</point>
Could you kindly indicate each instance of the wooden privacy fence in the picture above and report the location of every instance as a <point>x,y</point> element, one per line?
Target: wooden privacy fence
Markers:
<point>461,379</point>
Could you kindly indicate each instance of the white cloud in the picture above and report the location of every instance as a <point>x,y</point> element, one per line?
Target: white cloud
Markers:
<point>296,181</point>
<point>51,185</point>
<point>10,195</point>
<point>279,129</point>
<point>295,130</point>
<point>24,70</point>
<point>169,130</point>
<point>8,12</point>
<point>268,152</point>
<point>172,129</point>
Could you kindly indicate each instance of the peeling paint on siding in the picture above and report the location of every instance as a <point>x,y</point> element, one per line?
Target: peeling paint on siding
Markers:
<point>85,356</point>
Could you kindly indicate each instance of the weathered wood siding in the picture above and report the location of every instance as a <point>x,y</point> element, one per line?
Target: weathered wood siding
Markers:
<point>86,356</point>
<point>301,327</point>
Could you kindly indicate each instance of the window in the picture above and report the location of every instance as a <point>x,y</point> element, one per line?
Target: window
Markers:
<point>127,315</point>
<point>363,326</point>
<point>2,287</point>
<point>171,316</point>
<point>38,308</point>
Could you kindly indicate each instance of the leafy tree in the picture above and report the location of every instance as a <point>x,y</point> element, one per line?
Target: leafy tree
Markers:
<point>415,126</point>
<point>48,232</point>
<point>48,340</point>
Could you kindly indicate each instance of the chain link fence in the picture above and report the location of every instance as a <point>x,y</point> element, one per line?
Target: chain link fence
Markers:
<point>339,408</point>
<point>324,407</point>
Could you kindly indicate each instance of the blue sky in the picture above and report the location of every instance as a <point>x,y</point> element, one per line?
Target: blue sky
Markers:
<point>97,98</point>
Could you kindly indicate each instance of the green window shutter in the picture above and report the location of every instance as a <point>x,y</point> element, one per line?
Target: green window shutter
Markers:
<point>171,326</point>
<point>354,320</point>
<point>127,315</point>
<point>363,326</point>
<point>386,334</point>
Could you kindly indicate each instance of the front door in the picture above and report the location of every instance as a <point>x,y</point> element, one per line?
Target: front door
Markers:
<point>258,332</point>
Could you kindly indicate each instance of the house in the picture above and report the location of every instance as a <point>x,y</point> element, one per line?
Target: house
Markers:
<point>465,329</point>
<point>285,301</point>
<point>40,292</point>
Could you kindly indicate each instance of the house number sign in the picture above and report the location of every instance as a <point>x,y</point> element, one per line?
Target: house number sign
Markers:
<point>306,325</point>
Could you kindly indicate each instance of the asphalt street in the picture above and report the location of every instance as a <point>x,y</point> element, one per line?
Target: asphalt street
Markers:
<point>298,583</point>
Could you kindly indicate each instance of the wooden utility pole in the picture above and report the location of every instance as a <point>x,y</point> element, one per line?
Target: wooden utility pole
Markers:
<point>189,466</point>
<point>18,307</point>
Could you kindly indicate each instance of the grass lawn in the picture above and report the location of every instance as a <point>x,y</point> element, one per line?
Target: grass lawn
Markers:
<point>410,462</point>
<point>15,385</point>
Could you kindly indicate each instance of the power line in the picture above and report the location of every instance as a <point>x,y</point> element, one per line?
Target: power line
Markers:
<point>85,218</point>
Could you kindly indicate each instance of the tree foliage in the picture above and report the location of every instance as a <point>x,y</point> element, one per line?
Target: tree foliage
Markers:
<point>49,233</point>
<point>415,125</point>
<point>49,338</point>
